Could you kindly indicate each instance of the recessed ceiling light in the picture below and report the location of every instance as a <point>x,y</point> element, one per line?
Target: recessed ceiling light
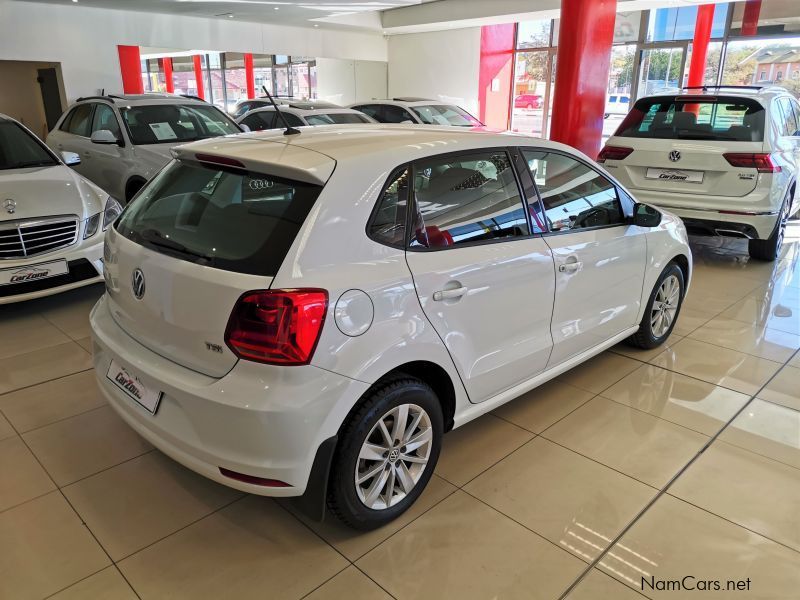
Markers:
<point>316,25</point>
<point>230,16</point>
<point>277,8</point>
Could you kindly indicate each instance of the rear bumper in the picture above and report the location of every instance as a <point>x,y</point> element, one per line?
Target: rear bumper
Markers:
<point>85,263</point>
<point>258,420</point>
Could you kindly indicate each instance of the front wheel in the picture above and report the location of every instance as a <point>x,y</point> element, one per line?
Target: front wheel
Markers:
<point>663,308</point>
<point>386,455</point>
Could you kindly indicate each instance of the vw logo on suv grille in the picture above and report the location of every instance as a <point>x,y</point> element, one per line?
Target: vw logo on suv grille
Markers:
<point>137,283</point>
<point>674,156</point>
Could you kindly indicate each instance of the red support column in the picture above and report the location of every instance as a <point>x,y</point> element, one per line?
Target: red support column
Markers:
<point>166,66</point>
<point>250,76</point>
<point>130,65</point>
<point>752,10</point>
<point>496,73</point>
<point>584,59</point>
<point>702,35</point>
<point>198,75</point>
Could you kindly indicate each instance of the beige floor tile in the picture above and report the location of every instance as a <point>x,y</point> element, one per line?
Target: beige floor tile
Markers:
<point>674,539</point>
<point>690,319</point>
<point>27,333</point>
<point>572,501</point>
<point>251,549</point>
<point>600,372</point>
<point>772,344</point>
<point>350,584</point>
<point>71,314</point>
<point>784,388</point>
<point>476,446</point>
<point>6,431</point>
<point>795,361</point>
<point>464,549</point>
<point>85,444</point>
<point>85,343</point>
<point>599,586</point>
<point>52,401</point>
<point>707,302</point>
<point>51,549</point>
<point>540,408</point>
<point>773,308</point>
<point>720,366</point>
<point>355,544</point>
<point>684,400</point>
<point>35,367</point>
<point>767,429</point>
<point>143,500</point>
<point>108,584</point>
<point>754,491</point>
<point>22,476</point>
<point>645,355</point>
<point>640,445</point>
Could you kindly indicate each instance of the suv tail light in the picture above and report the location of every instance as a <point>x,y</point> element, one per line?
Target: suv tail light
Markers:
<point>761,162</point>
<point>613,153</point>
<point>277,327</point>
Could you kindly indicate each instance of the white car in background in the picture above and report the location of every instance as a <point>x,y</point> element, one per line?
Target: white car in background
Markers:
<point>617,104</point>
<point>726,160</point>
<point>51,219</point>
<point>124,140</point>
<point>417,111</point>
<point>300,113</point>
<point>306,315</point>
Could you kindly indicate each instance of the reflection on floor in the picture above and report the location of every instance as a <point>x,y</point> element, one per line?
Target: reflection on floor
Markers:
<point>633,472</point>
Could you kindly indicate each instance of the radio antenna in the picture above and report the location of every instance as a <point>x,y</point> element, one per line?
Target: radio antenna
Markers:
<point>289,129</point>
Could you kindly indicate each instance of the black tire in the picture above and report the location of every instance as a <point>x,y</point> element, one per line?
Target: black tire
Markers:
<point>646,338</point>
<point>770,248</point>
<point>343,499</point>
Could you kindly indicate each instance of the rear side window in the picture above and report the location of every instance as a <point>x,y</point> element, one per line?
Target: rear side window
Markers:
<point>388,224</point>
<point>104,118</point>
<point>466,199</point>
<point>236,221</point>
<point>259,121</point>
<point>695,118</point>
<point>336,119</point>
<point>79,121</point>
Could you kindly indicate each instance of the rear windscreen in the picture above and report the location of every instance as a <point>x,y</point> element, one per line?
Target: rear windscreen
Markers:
<point>695,118</point>
<point>233,220</point>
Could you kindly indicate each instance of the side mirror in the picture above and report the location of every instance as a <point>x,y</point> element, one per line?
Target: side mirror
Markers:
<point>245,128</point>
<point>104,136</point>
<point>645,215</point>
<point>70,158</point>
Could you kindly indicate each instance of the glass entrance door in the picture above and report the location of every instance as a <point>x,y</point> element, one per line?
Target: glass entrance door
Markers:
<point>661,67</point>
<point>532,98</point>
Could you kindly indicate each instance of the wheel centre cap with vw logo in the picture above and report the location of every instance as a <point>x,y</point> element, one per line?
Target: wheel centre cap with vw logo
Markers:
<point>137,283</point>
<point>674,156</point>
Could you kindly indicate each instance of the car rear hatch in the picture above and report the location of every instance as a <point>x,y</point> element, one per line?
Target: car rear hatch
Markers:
<point>214,224</point>
<point>679,145</point>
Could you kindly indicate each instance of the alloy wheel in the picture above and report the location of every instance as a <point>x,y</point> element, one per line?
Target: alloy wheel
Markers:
<point>665,306</point>
<point>393,456</point>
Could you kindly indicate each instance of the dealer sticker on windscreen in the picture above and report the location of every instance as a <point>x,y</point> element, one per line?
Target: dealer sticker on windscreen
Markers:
<point>33,272</point>
<point>133,387</point>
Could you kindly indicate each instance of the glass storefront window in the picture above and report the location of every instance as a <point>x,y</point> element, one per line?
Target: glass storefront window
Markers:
<point>262,70</point>
<point>660,69</point>
<point>282,84</point>
<point>763,62</point>
<point>775,18</point>
<point>670,24</point>
<point>301,79</point>
<point>235,80</point>
<point>530,90</point>
<point>217,80</point>
<point>183,75</point>
<point>534,34</point>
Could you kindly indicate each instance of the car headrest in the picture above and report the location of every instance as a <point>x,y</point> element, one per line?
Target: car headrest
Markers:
<point>684,120</point>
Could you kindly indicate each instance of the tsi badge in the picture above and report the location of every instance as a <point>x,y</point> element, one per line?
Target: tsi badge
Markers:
<point>674,156</point>
<point>137,283</point>
<point>10,205</point>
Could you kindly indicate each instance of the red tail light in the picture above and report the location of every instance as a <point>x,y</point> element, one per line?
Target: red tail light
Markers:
<point>278,327</point>
<point>613,153</point>
<point>763,163</point>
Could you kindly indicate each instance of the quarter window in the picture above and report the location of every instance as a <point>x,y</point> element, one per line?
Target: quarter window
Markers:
<point>104,118</point>
<point>388,225</point>
<point>575,196</point>
<point>465,199</point>
<point>79,121</point>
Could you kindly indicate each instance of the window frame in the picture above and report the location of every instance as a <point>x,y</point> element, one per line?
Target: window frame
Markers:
<point>623,197</point>
<point>508,150</point>
<point>68,121</point>
<point>120,128</point>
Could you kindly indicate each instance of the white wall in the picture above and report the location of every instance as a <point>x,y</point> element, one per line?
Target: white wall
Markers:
<point>439,65</point>
<point>347,81</point>
<point>84,40</point>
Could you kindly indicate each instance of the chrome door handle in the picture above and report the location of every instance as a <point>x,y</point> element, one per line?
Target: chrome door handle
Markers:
<point>449,294</point>
<point>570,267</point>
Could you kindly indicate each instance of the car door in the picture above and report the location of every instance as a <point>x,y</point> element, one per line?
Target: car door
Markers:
<point>789,130</point>
<point>73,135</point>
<point>599,257</point>
<point>107,161</point>
<point>484,276</point>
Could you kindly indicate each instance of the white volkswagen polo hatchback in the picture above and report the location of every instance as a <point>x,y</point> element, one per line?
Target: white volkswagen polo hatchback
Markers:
<point>726,160</point>
<point>306,315</point>
<point>51,219</point>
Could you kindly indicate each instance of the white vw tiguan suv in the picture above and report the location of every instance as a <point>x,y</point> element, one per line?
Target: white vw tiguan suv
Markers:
<point>124,140</point>
<point>725,160</point>
<point>51,219</point>
<point>306,315</point>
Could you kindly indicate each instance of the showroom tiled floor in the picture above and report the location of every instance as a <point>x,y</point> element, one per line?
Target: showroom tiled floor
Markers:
<point>679,461</point>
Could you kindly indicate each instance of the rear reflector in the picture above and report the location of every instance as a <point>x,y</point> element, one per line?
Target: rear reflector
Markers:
<point>252,479</point>
<point>613,153</point>
<point>761,162</point>
<point>278,327</point>
<point>219,160</point>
